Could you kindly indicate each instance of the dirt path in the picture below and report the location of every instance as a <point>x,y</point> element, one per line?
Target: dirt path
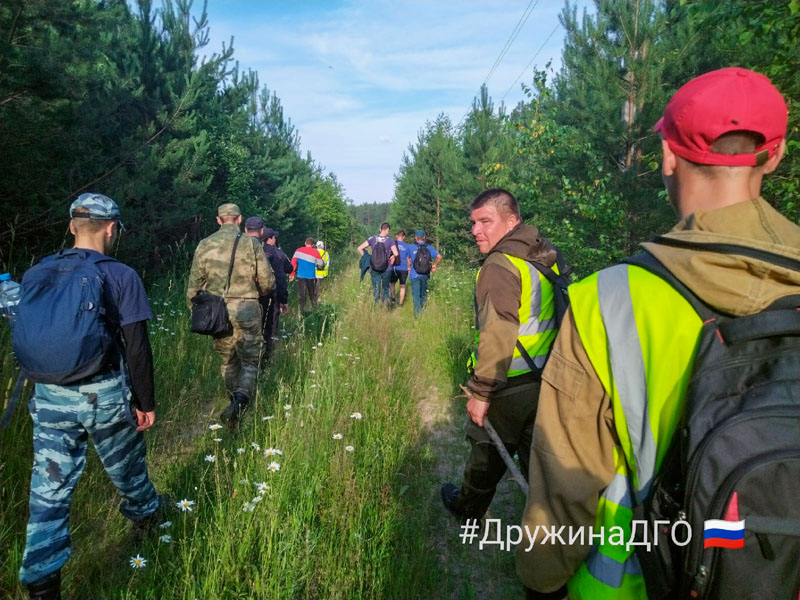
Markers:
<point>481,574</point>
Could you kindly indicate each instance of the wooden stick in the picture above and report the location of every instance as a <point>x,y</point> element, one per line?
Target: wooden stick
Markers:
<point>501,448</point>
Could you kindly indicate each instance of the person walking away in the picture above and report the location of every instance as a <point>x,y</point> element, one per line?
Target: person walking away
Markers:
<point>400,268</point>
<point>323,272</point>
<point>422,260</point>
<point>275,303</point>
<point>623,378</point>
<point>515,316</point>
<point>305,262</point>
<point>250,278</point>
<point>82,317</point>
<point>384,255</point>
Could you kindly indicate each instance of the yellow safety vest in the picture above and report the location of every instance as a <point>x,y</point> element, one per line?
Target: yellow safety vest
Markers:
<point>537,323</point>
<point>641,337</point>
<point>323,272</point>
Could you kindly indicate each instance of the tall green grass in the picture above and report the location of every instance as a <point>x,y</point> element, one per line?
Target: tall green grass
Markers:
<point>333,523</point>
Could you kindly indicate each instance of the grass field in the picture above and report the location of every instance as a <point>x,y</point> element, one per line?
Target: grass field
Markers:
<point>330,523</point>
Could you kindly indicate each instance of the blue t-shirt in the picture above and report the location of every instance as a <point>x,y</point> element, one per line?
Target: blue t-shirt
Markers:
<point>412,253</point>
<point>126,299</point>
<point>403,250</point>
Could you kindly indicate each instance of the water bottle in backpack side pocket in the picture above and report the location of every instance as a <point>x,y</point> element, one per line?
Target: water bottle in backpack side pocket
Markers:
<point>10,292</point>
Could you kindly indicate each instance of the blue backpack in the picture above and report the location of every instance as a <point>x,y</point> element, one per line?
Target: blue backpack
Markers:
<point>61,335</point>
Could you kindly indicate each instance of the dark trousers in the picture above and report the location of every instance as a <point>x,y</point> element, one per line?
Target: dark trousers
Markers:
<point>272,315</point>
<point>306,288</point>
<point>380,284</point>
<point>512,416</point>
<point>419,292</point>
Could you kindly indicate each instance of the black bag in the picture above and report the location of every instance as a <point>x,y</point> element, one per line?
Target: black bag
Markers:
<point>209,312</point>
<point>423,260</point>
<point>379,261</point>
<point>736,455</point>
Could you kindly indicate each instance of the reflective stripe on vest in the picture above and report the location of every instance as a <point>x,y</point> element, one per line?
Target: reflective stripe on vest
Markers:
<point>323,272</point>
<point>537,326</point>
<point>641,337</point>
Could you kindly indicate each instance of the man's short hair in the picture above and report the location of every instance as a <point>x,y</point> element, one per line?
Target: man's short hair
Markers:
<point>227,220</point>
<point>87,226</point>
<point>384,225</point>
<point>733,142</point>
<point>503,201</point>
<point>401,232</point>
<point>309,241</point>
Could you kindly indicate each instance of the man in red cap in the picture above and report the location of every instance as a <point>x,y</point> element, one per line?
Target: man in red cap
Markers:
<point>614,390</point>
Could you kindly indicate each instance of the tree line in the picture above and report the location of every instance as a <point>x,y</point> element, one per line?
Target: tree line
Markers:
<point>579,153</point>
<point>114,97</point>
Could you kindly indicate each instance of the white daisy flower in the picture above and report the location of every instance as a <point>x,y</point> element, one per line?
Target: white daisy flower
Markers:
<point>215,426</point>
<point>248,507</point>
<point>273,466</point>
<point>210,458</point>
<point>243,481</point>
<point>357,415</point>
<point>287,407</point>
<point>138,562</point>
<point>255,446</point>
<point>312,372</point>
<point>262,488</point>
<point>256,500</point>
<point>273,452</point>
<point>319,344</point>
<point>217,439</point>
<point>344,337</point>
<point>313,385</point>
<point>337,436</point>
<point>349,448</point>
<point>269,418</point>
<point>165,525</point>
<point>240,451</point>
<point>185,505</point>
<point>166,538</point>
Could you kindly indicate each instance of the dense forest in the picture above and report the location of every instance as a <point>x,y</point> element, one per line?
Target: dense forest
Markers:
<point>112,97</point>
<point>369,216</point>
<point>580,153</point>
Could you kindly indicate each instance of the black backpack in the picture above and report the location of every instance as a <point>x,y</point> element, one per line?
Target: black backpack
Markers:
<point>379,261</point>
<point>735,455</point>
<point>423,260</point>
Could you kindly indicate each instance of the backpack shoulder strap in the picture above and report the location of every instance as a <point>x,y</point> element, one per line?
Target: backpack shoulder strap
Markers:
<point>233,256</point>
<point>650,263</point>
<point>559,281</point>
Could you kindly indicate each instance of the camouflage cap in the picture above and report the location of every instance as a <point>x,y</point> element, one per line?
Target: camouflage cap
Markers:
<point>229,209</point>
<point>97,206</point>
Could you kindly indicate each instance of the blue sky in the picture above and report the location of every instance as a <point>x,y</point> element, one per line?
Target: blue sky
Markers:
<point>359,79</point>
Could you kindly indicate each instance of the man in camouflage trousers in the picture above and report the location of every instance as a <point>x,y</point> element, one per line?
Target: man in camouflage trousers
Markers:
<point>251,278</point>
<point>66,416</point>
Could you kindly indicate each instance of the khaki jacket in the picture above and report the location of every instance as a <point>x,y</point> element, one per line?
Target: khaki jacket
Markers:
<point>251,277</point>
<point>497,297</point>
<point>571,460</point>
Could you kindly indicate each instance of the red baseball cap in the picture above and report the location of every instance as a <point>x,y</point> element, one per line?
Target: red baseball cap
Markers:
<point>718,102</point>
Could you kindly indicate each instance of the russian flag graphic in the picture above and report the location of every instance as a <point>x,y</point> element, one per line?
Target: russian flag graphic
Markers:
<point>723,534</point>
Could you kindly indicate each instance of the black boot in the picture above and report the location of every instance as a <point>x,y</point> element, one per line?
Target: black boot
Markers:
<point>48,588</point>
<point>238,405</point>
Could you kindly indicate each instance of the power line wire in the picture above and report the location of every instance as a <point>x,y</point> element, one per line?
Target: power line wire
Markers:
<point>511,38</point>
<point>531,61</point>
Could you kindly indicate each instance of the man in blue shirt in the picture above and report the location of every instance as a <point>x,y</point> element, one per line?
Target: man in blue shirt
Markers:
<point>381,275</point>
<point>419,281</point>
<point>66,416</point>
<point>400,272</point>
